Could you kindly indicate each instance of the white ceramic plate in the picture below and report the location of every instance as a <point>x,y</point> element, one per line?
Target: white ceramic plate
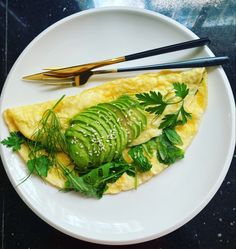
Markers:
<point>167,201</point>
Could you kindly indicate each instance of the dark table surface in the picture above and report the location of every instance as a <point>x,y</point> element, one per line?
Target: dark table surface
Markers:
<point>21,21</point>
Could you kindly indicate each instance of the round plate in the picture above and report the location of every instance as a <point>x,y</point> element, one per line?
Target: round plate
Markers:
<point>167,201</point>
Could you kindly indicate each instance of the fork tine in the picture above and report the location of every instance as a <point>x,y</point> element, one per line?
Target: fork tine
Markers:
<point>57,82</point>
<point>50,68</point>
<point>72,83</point>
<point>55,75</point>
<point>46,79</point>
<point>43,76</point>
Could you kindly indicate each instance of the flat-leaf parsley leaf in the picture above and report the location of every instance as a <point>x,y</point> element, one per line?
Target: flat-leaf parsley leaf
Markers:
<point>173,136</point>
<point>167,152</point>
<point>153,102</point>
<point>140,160</point>
<point>181,90</point>
<point>39,165</point>
<point>14,141</point>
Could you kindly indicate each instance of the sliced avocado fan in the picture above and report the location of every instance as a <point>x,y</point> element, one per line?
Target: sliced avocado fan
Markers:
<point>100,133</point>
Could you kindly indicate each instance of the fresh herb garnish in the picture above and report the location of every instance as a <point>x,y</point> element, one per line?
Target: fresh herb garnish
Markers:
<point>14,141</point>
<point>184,116</point>
<point>167,152</point>
<point>94,183</point>
<point>156,103</point>
<point>165,146</point>
<point>178,118</point>
<point>49,131</point>
<point>140,160</point>
<point>153,102</point>
<point>181,90</point>
<point>173,136</point>
<point>73,181</point>
<point>48,139</point>
<point>149,147</point>
<point>39,165</point>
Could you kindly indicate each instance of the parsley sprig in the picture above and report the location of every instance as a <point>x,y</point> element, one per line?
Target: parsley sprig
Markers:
<point>155,102</point>
<point>166,143</point>
<point>14,141</point>
<point>178,118</point>
<point>181,90</point>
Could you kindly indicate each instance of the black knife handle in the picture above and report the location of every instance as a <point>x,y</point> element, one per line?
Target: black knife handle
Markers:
<point>168,49</point>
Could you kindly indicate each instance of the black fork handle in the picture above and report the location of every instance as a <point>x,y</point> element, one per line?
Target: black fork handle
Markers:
<point>172,48</point>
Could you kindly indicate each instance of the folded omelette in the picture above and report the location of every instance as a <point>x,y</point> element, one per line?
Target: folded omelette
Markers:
<point>112,137</point>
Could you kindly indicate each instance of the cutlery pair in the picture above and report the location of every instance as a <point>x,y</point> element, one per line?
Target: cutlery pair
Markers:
<point>79,75</point>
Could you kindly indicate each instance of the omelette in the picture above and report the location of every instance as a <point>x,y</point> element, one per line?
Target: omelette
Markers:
<point>113,137</point>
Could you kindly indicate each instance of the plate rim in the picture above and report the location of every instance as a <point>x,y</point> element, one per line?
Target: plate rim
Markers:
<point>211,192</point>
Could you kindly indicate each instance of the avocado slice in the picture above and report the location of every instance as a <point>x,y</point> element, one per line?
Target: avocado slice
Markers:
<point>134,113</point>
<point>103,130</point>
<point>117,131</point>
<point>97,133</point>
<point>135,128</point>
<point>110,143</point>
<point>78,147</point>
<point>122,120</point>
<point>134,105</point>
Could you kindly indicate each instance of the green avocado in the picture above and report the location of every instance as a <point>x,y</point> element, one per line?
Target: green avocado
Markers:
<point>134,111</point>
<point>113,136</point>
<point>102,132</point>
<point>131,120</point>
<point>79,147</point>
<point>97,136</point>
<point>121,119</point>
<point>117,133</point>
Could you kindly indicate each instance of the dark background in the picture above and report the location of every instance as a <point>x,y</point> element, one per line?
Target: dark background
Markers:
<point>20,22</point>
